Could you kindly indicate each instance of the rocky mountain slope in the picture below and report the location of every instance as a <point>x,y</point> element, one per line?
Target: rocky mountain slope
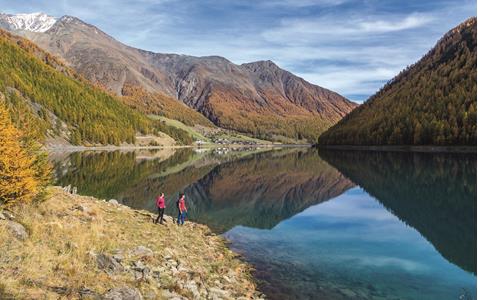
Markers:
<point>432,102</point>
<point>258,98</point>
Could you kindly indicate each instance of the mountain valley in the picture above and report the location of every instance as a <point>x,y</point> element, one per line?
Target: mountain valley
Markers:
<point>259,98</point>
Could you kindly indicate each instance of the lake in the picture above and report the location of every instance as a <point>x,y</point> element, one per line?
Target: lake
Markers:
<point>315,224</point>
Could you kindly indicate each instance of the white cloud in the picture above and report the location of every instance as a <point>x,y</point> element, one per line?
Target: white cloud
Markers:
<point>331,28</point>
<point>347,46</point>
<point>354,54</point>
<point>303,3</point>
<point>354,80</point>
<point>409,22</point>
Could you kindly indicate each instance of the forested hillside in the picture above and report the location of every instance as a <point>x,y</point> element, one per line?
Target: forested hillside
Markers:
<point>162,105</point>
<point>48,99</point>
<point>432,102</point>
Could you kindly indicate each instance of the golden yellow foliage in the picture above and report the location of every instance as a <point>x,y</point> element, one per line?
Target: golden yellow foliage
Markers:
<point>23,171</point>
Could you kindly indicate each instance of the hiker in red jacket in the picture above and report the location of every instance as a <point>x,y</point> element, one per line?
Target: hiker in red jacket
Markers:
<point>160,205</point>
<point>181,203</point>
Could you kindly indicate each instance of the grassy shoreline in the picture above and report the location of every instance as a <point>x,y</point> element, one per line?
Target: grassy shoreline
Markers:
<point>79,247</point>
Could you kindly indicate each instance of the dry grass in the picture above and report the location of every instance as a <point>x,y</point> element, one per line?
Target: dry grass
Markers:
<point>57,260</point>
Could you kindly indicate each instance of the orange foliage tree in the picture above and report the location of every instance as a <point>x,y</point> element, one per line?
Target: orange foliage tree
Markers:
<point>24,170</point>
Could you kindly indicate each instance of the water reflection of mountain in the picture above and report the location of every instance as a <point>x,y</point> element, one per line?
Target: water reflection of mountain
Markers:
<point>263,189</point>
<point>256,189</point>
<point>133,178</point>
<point>434,193</point>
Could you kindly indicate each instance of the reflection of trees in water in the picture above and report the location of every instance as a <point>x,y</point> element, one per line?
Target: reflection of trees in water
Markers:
<point>108,174</point>
<point>263,189</point>
<point>434,193</point>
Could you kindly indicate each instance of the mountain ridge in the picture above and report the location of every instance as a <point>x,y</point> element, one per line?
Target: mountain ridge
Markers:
<point>36,22</point>
<point>257,98</point>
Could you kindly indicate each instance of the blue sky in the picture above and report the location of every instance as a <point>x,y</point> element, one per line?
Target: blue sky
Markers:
<point>352,47</point>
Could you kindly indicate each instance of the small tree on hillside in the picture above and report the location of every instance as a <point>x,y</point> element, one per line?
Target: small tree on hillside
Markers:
<point>24,172</point>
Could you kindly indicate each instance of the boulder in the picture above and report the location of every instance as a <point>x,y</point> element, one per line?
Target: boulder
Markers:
<point>8,215</point>
<point>113,201</point>
<point>17,230</point>
<point>139,266</point>
<point>193,288</point>
<point>219,293</point>
<point>140,270</point>
<point>123,293</point>
<point>142,251</point>
<point>171,295</point>
<point>173,263</point>
<point>118,257</point>
<point>150,295</point>
<point>86,293</point>
<point>108,263</point>
<point>84,208</point>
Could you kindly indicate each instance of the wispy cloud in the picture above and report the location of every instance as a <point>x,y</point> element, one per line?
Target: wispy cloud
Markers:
<point>352,47</point>
<point>303,3</point>
<point>331,28</point>
<point>409,22</point>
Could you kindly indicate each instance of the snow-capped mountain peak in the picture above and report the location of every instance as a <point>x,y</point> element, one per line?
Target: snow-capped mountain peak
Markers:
<point>36,22</point>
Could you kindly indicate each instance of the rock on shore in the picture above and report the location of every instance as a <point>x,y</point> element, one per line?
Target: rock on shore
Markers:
<point>78,247</point>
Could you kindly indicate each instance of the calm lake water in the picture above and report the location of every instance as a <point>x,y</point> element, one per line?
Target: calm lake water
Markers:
<point>315,224</point>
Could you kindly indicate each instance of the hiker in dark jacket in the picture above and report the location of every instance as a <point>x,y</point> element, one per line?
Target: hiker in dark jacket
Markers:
<point>181,204</point>
<point>160,204</point>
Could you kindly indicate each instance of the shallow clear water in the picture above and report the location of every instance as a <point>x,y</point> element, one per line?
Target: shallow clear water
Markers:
<point>315,224</point>
<point>349,247</point>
